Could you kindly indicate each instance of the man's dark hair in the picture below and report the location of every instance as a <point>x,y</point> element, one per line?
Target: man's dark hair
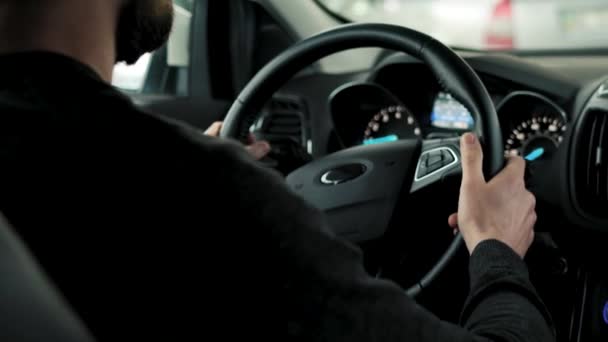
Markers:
<point>144,26</point>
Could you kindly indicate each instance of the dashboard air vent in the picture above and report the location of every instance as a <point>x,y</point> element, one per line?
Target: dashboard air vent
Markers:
<point>591,168</point>
<point>284,120</point>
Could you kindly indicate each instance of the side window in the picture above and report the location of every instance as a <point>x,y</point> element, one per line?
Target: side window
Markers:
<point>164,72</point>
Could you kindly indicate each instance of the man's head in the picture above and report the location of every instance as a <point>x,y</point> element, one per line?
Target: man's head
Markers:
<point>143,26</point>
<point>98,33</point>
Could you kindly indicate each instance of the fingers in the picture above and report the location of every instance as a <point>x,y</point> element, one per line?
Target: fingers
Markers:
<point>214,129</point>
<point>251,139</point>
<point>516,167</point>
<point>529,224</point>
<point>530,204</point>
<point>531,200</point>
<point>513,174</point>
<point>453,221</point>
<point>472,159</point>
<point>259,149</point>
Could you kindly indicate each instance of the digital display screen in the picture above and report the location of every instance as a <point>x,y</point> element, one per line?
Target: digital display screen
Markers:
<point>450,114</point>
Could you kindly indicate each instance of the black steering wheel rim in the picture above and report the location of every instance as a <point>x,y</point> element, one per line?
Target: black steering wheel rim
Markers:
<point>452,72</point>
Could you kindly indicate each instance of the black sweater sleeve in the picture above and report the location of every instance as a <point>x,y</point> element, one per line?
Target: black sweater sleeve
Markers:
<point>503,305</point>
<point>328,296</point>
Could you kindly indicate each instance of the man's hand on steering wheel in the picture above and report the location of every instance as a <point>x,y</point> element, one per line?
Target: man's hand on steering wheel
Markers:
<point>258,149</point>
<point>501,209</point>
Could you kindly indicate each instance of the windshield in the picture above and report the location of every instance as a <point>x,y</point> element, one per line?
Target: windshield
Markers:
<point>490,24</point>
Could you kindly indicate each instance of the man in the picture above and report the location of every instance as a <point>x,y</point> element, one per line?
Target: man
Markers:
<point>153,231</point>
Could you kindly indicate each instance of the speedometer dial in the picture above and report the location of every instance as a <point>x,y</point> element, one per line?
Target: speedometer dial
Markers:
<point>536,138</point>
<point>391,124</point>
<point>533,125</point>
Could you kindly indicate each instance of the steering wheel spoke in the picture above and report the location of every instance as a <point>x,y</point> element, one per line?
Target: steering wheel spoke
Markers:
<point>438,159</point>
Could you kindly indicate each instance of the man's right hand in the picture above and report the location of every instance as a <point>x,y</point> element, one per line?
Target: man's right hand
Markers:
<point>501,209</point>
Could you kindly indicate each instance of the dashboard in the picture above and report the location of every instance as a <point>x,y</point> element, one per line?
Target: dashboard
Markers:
<point>542,104</point>
<point>385,109</point>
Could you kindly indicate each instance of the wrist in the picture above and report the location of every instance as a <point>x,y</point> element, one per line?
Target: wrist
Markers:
<point>473,240</point>
<point>495,257</point>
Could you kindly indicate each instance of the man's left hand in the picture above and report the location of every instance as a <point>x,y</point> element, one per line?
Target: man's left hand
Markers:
<point>258,149</point>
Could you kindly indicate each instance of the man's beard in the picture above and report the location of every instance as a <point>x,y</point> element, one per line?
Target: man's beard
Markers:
<point>144,26</point>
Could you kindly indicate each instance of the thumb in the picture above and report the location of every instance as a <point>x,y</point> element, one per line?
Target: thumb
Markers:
<point>259,149</point>
<point>472,159</point>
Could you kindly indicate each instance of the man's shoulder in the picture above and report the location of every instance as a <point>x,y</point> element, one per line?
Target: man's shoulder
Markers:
<point>107,127</point>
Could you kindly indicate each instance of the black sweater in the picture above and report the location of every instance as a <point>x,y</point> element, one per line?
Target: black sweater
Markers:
<point>152,230</point>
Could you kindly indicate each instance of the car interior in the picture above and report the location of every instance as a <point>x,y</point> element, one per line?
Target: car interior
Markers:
<point>364,121</point>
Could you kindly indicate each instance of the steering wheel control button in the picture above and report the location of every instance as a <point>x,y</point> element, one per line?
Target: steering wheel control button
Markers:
<point>448,158</point>
<point>425,159</point>
<point>343,174</point>
<point>434,167</point>
<point>434,161</point>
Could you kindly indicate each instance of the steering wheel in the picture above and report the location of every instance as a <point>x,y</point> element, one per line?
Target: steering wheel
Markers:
<point>358,188</point>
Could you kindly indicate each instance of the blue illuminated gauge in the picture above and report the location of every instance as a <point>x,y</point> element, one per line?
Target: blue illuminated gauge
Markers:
<point>536,138</point>
<point>391,124</point>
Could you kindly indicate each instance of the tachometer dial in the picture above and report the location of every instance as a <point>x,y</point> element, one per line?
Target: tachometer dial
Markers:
<point>391,124</point>
<point>536,138</point>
